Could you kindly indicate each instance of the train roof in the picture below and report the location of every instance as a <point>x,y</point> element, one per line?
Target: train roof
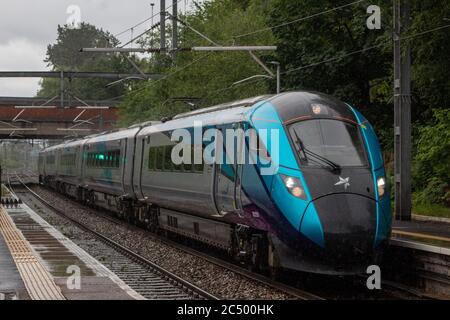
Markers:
<point>116,135</point>
<point>206,119</point>
<point>223,113</point>
<point>74,143</point>
<point>239,103</point>
<point>290,106</point>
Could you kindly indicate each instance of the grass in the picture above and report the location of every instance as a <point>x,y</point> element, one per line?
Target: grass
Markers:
<point>434,210</point>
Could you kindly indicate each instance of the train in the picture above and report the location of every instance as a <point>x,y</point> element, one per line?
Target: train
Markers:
<point>314,198</point>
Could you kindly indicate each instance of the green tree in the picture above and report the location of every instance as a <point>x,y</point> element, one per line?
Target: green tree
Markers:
<point>430,53</point>
<point>432,160</point>
<point>65,55</point>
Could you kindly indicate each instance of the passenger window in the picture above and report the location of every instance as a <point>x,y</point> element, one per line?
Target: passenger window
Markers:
<point>188,166</point>
<point>117,160</point>
<point>199,166</point>
<point>168,164</point>
<point>159,157</point>
<point>151,158</point>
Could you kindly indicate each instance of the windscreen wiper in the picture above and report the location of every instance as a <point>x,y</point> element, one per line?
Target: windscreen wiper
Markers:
<point>333,165</point>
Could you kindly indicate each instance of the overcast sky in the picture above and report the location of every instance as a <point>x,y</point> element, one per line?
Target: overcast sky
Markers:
<point>28,26</point>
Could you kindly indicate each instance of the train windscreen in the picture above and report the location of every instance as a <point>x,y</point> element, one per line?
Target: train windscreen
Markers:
<point>321,140</point>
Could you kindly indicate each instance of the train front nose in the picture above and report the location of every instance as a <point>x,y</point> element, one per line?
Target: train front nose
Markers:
<point>347,223</point>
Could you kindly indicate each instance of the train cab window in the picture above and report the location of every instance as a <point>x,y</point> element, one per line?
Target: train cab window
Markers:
<point>320,140</point>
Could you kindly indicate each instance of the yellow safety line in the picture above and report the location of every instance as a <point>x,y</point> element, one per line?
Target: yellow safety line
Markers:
<point>420,235</point>
<point>38,281</point>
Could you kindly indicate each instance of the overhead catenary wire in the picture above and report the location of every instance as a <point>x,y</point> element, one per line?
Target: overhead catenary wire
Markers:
<point>418,34</point>
<point>298,19</point>
<point>147,85</point>
<point>261,30</point>
<point>142,22</point>
<point>335,58</point>
<point>141,34</point>
<point>242,35</point>
<point>332,59</point>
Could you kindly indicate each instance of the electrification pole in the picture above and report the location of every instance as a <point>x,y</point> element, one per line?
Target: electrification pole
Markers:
<point>61,88</point>
<point>402,113</point>
<point>163,24</point>
<point>151,26</point>
<point>174,27</point>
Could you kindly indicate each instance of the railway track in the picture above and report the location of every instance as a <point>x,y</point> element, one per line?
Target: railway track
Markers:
<point>142,275</point>
<point>294,291</point>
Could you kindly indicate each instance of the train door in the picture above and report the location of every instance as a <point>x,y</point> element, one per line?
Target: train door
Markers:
<point>227,169</point>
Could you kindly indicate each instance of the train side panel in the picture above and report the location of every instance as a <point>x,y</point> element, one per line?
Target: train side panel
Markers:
<point>183,187</point>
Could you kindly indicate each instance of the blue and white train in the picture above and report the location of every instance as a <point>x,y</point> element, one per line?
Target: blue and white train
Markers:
<point>325,209</point>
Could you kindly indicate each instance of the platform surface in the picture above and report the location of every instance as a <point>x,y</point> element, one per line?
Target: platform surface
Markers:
<point>53,255</point>
<point>11,284</point>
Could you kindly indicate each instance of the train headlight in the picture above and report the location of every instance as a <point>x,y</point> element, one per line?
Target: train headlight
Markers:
<point>381,185</point>
<point>294,186</point>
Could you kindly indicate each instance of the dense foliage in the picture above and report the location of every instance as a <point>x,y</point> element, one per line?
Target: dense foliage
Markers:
<point>432,160</point>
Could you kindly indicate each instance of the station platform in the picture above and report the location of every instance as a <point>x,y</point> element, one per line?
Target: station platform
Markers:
<point>433,235</point>
<point>38,263</point>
